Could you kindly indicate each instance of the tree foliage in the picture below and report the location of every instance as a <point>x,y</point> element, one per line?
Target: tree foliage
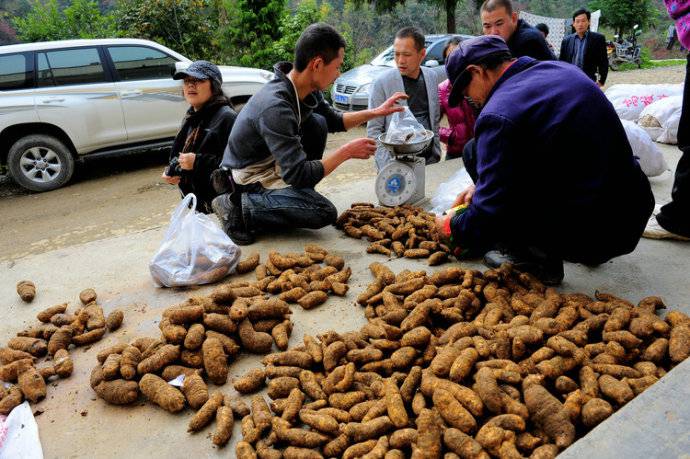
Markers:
<point>80,19</point>
<point>187,26</point>
<point>622,15</point>
<point>253,28</point>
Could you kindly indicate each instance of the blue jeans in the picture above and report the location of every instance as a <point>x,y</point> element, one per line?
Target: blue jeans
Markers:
<point>265,210</point>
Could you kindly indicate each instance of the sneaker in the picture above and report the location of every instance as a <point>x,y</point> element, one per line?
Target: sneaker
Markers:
<point>547,270</point>
<point>655,231</point>
<point>230,216</point>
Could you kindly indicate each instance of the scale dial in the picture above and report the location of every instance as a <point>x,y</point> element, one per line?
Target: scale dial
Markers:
<point>395,184</point>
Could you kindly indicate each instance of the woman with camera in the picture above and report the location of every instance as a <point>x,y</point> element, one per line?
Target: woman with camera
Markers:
<point>198,147</point>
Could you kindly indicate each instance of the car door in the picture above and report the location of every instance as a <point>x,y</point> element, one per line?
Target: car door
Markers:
<point>17,104</point>
<point>152,101</point>
<point>75,93</point>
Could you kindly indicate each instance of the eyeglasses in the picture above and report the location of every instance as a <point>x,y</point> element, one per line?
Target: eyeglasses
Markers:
<point>192,81</point>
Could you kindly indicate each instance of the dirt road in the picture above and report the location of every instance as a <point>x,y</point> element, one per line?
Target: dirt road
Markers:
<point>125,195</point>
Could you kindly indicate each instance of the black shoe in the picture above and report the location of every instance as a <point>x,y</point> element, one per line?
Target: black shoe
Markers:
<point>547,269</point>
<point>230,216</point>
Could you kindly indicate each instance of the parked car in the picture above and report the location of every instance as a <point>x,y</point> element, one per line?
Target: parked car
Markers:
<point>351,90</point>
<point>62,101</point>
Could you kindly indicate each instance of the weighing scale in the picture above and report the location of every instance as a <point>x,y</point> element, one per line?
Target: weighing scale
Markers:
<point>401,181</point>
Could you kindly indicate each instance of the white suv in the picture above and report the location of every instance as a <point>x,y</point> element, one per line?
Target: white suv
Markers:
<point>62,100</point>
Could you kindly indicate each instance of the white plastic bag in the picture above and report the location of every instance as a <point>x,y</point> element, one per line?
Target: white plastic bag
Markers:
<point>445,194</point>
<point>630,99</point>
<point>650,157</point>
<point>661,119</point>
<point>404,128</point>
<point>194,250</point>
<point>19,435</point>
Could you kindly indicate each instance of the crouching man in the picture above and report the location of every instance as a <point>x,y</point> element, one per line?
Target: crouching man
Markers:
<point>554,175</point>
<point>274,156</point>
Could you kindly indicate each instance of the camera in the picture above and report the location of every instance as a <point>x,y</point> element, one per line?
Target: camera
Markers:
<point>173,169</point>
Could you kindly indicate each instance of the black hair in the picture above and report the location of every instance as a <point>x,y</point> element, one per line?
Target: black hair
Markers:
<point>542,28</point>
<point>455,41</point>
<point>317,40</point>
<point>415,33</point>
<point>491,5</point>
<point>582,11</point>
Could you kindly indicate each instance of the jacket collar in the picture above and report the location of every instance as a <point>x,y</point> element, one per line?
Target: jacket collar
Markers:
<point>522,64</point>
<point>281,70</point>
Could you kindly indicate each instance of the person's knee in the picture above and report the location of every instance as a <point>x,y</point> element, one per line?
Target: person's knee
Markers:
<point>328,214</point>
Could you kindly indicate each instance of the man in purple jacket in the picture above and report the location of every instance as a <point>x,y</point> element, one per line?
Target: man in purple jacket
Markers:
<point>555,177</point>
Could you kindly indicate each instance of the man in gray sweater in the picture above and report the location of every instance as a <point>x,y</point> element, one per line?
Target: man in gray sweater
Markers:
<point>274,156</point>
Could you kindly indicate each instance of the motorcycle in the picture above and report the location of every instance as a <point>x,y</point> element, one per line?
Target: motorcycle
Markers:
<point>621,50</point>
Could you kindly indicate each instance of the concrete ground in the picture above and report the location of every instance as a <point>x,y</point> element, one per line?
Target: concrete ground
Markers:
<point>74,423</point>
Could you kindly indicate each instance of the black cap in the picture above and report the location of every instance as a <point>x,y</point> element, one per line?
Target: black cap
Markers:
<point>472,51</point>
<point>201,70</point>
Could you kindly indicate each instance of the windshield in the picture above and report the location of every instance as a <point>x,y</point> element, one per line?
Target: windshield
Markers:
<point>387,59</point>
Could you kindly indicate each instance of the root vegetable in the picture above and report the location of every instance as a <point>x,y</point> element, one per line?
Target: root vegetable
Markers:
<point>161,393</point>
<point>118,392</point>
<point>46,314</point>
<point>548,414</point>
<point>62,363</point>
<point>224,424</point>
<point>164,356</point>
<point>114,320</point>
<point>26,290</point>
<point>253,341</point>
<point>31,384</point>
<point>34,346</point>
<point>215,361</point>
<point>206,413</point>
<point>195,390</point>
<point>87,296</point>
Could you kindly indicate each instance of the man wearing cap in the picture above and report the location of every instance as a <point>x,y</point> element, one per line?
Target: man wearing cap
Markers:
<point>554,176</point>
<point>499,18</point>
<point>274,157</point>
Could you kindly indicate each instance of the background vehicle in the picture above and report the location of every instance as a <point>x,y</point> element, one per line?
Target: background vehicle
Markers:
<point>351,90</point>
<point>621,50</point>
<point>62,101</point>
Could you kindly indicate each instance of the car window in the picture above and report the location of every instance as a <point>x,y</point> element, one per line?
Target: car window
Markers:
<point>435,51</point>
<point>70,66</point>
<point>13,72</point>
<point>140,63</point>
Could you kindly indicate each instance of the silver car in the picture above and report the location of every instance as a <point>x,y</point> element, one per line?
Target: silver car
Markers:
<point>351,90</point>
<point>65,100</point>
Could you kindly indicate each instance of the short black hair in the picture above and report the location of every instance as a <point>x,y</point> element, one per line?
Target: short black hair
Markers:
<point>542,28</point>
<point>455,41</point>
<point>415,33</point>
<point>491,5</point>
<point>317,40</point>
<point>582,11</point>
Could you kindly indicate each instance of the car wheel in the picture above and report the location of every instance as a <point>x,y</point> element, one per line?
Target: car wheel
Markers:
<point>40,162</point>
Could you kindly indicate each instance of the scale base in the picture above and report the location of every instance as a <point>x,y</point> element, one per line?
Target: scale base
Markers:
<point>402,181</point>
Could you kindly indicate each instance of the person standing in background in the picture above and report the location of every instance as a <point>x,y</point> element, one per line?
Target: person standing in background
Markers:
<point>673,220</point>
<point>460,119</point>
<point>586,49</point>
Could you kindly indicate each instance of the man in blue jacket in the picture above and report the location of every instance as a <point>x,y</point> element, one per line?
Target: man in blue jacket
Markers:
<point>274,157</point>
<point>555,177</point>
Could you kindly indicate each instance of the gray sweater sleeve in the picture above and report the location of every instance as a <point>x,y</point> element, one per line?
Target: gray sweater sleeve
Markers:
<point>278,127</point>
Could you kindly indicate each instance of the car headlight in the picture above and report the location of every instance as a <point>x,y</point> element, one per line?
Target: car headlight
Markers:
<point>363,89</point>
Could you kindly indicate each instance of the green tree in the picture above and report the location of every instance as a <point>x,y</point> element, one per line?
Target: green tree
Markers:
<point>292,26</point>
<point>622,15</point>
<point>80,19</point>
<point>186,26</point>
<point>253,28</point>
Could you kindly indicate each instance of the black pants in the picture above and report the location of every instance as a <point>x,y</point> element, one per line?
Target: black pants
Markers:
<point>675,216</point>
<point>265,210</point>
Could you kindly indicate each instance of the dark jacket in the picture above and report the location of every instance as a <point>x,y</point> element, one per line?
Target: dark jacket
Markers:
<point>555,169</point>
<point>595,59</point>
<point>528,41</point>
<point>215,121</point>
<point>268,125</point>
